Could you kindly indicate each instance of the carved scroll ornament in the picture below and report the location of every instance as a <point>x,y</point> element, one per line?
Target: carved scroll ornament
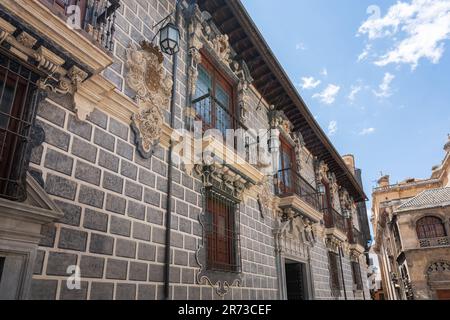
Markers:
<point>147,77</point>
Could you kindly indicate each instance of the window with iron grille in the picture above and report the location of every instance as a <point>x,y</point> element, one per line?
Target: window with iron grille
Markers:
<point>214,99</point>
<point>356,272</point>
<point>430,227</point>
<point>19,97</point>
<point>335,271</point>
<point>222,233</point>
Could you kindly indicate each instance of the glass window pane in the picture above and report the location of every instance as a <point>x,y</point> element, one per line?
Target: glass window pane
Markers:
<point>203,107</point>
<point>223,97</point>
<point>204,83</point>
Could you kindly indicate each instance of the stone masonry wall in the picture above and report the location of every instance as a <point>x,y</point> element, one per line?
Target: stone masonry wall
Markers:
<point>114,201</point>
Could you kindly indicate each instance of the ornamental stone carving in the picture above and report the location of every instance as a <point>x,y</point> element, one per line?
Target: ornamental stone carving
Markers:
<point>153,86</point>
<point>219,179</point>
<point>203,34</point>
<point>322,172</point>
<point>265,198</point>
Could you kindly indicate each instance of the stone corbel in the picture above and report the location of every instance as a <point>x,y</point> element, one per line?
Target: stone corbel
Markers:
<point>89,94</point>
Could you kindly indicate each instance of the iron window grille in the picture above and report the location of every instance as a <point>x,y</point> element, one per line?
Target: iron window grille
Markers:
<point>335,273</point>
<point>19,97</point>
<point>222,233</point>
<point>356,273</point>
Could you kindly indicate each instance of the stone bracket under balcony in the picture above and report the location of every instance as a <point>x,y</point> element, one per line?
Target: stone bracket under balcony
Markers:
<point>357,249</point>
<point>61,75</point>
<point>295,203</point>
<point>336,234</point>
<point>42,23</point>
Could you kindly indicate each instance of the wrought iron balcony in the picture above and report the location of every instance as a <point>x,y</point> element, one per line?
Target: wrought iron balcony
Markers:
<point>356,237</point>
<point>435,242</point>
<point>334,219</point>
<point>288,182</point>
<point>214,115</point>
<point>95,18</point>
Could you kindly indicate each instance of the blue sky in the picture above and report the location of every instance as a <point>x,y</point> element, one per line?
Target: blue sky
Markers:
<point>395,58</point>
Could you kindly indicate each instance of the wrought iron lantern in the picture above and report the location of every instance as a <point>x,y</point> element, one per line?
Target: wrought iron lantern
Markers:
<point>321,189</point>
<point>169,39</point>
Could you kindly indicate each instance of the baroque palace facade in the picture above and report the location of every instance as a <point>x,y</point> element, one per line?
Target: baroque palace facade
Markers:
<point>411,221</point>
<point>100,194</point>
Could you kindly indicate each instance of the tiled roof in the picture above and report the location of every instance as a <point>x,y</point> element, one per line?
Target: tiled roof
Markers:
<point>427,199</point>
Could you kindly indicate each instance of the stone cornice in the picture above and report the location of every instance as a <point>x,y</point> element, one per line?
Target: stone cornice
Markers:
<point>38,17</point>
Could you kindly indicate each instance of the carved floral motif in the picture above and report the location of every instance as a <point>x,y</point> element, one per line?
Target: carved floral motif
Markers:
<point>147,77</point>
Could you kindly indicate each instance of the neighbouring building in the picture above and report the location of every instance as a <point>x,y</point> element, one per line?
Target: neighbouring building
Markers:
<point>411,221</point>
<point>102,194</point>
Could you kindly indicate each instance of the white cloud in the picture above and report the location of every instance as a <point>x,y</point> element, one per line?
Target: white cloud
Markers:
<point>300,46</point>
<point>354,91</point>
<point>309,83</point>
<point>332,128</point>
<point>328,96</point>
<point>363,56</point>
<point>384,89</point>
<point>324,72</point>
<point>422,27</point>
<point>367,131</point>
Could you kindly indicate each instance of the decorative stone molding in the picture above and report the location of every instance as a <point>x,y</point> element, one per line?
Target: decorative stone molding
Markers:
<point>147,77</point>
<point>322,172</point>
<point>333,244</point>
<point>265,198</point>
<point>56,30</point>
<point>87,91</point>
<point>437,275</point>
<point>223,181</point>
<point>20,234</point>
<point>203,34</point>
<point>299,145</point>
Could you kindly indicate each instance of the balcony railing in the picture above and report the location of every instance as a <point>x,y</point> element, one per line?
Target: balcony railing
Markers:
<point>97,18</point>
<point>289,182</point>
<point>356,237</point>
<point>214,115</point>
<point>334,219</point>
<point>435,242</point>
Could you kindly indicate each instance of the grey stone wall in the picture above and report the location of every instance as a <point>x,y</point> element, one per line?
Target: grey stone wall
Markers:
<point>114,201</point>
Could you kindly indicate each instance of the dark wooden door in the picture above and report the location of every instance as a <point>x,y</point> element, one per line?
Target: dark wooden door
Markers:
<point>443,294</point>
<point>295,281</point>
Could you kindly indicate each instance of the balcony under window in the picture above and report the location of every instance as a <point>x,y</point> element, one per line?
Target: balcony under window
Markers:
<point>93,18</point>
<point>333,219</point>
<point>289,183</point>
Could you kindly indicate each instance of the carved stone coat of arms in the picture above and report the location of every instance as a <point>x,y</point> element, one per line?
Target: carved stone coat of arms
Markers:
<point>147,77</point>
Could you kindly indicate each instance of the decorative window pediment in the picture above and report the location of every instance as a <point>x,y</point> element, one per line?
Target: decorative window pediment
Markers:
<point>223,191</point>
<point>204,35</point>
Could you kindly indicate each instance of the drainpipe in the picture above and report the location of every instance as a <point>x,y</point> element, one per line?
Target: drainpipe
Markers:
<point>342,272</point>
<point>170,164</point>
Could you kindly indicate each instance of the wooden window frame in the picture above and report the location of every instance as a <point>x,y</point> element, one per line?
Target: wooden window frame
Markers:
<point>218,206</point>
<point>219,77</point>
<point>286,172</point>
<point>429,230</point>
